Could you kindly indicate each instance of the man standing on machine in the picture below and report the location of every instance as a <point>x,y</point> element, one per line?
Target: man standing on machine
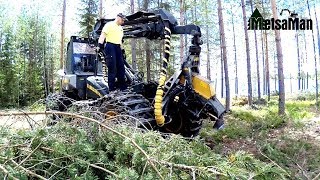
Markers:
<point>112,34</point>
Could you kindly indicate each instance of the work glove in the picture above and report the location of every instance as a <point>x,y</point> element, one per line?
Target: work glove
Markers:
<point>124,54</point>
<point>99,50</point>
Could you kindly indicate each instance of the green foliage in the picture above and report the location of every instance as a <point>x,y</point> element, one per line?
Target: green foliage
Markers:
<point>246,123</point>
<point>299,110</point>
<point>262,129</point>
<point>89,13</point>
<point>232,131</point>
<point>24,44</point>
<point>63,151</point>
<point>295,155</point>
<point>9,91</point>
<point>305,96</point>
<point>260,119</point>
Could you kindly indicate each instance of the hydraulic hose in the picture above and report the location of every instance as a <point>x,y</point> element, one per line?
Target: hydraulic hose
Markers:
<point>104,70</point>
<point>163,74</point>
<point>104,66</point>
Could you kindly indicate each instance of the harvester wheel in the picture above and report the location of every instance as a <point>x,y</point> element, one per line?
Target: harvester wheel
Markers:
<point>130,103</point>
<point>181,120</point>
<point>57,102</point>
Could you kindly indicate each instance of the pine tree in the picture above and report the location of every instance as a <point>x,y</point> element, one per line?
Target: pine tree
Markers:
<point>9,89</point>
<point>224,54</point>
<point>257,57</point>
<point>248,53</point>
<point>88,16</point>
<point>147,45</point>
<point>133,42</point>
<point>182,9</point>
<point>280,63</point>
<point>235,55</point>
<point>62,34</point>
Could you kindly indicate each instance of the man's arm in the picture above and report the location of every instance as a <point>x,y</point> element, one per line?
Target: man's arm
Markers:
<point>102,38</point>
<point>104,33</point>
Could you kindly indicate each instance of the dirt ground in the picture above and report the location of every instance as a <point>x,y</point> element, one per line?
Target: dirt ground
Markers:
<point>21,121</point>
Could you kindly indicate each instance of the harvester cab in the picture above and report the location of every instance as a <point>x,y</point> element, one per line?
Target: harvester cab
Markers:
<point>82,70</point>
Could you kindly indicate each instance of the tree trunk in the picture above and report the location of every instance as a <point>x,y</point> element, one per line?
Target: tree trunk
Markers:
<point>208,54</point>
<point>267,66</point>
<point>235,55</point>
<point>148,56</point>
<point>186,35</point>
<point>245,24</point>
<point>290,83</point>
<point>216,79</point>
<point>280,63</point>
<point>305,61</point>
<point>62,35</point>
<point>275,73</point>
<point>299,62</point>
<point>51,65</point>
<point>315,58</point>
<point>100,9</point>
<point>263,57</point>
<point>181,36</point>
<point>147,45</point>
<point>139,4</point>
<point>208,47</point>
<point>263,65</point>
<point>45,68</point>
<point>222,79</point>
<point>257,57</point>
<point>133,42</point>
<point>307,80</point>
<point>317,24</point>
<point>224,54</point>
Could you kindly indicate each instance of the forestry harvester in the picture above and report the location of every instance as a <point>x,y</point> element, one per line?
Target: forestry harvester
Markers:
<point>176,104</point>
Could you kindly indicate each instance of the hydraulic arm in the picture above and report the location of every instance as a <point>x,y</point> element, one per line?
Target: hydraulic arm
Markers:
<point>150,25</point>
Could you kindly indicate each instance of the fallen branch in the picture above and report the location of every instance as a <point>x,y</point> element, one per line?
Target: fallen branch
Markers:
<point>6,172</point>
<point>302,170</point>
<point>27,171</point>
<point>316,177</point>
<point>273,162</point>
<point>31,120</point>
<point>103,169</point>
<point>30,153</point>
<point>189,168</point>
<point>72,115</point>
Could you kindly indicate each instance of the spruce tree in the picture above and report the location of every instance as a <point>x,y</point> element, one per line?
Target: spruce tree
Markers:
<point>89,13</point>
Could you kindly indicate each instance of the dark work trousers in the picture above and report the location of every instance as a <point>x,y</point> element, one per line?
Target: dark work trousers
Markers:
<point>115,66</point>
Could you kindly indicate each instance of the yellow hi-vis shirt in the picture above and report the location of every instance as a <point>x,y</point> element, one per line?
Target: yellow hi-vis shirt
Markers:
<point>113,32</point>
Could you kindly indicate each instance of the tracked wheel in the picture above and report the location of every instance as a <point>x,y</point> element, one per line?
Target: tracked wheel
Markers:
<point>57,102</point>
<point>126,103</point>
<point>179,119</point>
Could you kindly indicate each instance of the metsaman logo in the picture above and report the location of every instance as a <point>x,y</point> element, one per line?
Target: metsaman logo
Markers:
<point>257,22</point>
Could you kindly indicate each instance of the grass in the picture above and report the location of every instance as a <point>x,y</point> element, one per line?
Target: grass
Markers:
<point>300,157</point>
<point>265,134</point>
<point>246,123</point>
